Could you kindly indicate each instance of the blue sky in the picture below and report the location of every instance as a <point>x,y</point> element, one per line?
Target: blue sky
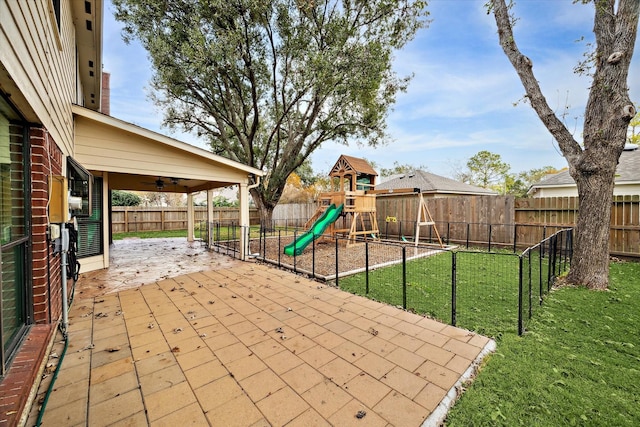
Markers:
<point>461,99</point>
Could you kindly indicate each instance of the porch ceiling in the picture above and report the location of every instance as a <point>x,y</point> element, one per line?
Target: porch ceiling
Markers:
<point>137,158</point>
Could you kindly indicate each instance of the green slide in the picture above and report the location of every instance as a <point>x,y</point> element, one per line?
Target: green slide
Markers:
<point>328,217</point>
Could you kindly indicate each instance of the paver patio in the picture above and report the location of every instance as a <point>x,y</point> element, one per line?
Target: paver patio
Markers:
<point>251,345</point>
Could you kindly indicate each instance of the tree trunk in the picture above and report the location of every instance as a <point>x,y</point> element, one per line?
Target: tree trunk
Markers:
<point>265,208</point>
<point>590,262</point>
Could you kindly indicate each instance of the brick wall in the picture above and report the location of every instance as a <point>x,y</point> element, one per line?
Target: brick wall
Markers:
<point>46,159</point>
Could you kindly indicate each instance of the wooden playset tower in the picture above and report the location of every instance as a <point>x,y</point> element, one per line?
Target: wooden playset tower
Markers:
<point>351,178</point>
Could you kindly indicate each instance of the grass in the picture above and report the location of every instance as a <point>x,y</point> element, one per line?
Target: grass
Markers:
<point>577,365</point>
<point>486,289</point>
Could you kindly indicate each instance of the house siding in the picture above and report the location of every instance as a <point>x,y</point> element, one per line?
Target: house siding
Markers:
<point>43,73</point>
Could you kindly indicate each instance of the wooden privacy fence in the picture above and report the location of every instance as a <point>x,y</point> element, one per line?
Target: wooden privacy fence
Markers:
<point>508,220</point>
<point>125,219</point>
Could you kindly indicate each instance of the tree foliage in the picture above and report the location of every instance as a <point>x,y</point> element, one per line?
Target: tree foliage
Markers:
<point>634,129</point>
<point>266,82</point>
<point>124,198</point>
<point>609,110</point>
<point>485,169</point>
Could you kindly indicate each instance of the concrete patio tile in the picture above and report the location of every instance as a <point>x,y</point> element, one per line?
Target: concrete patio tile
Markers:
<point>242,327</point>
<point>217,393</point>
<point>432,325</point>
<point>367,389</point>
<point>154,363</point>
<point>72,375</point>
<point>61,396</point>
<point>283,362</point>
<point>339,371</point>
<point>309,418</point>
<point>456,333</point>
<point>162,379</point>
<point>187,342</point>
<point>374,365</point>
<point>148,337</point>
<point>434,338</point>
<point>400,410</point>
<point>194,358</point>
<point>388,320</point>
<point>479,341</point>
<point>296,321</point>
<point>113,387</point>
<point>404,381</point>
<point>317,356</point>
<point>408,328</point>
<point>338,326</point>
<point>438,375</point>
<point>350,351</point>
<point>326,398</point>
<point>240,412</point>
<point>150,349</point>
<point>298,343</point>
<point>73,412</point>
<point>463,349</point>
<point>76,359</point>
<point>302,378</point>
<point>357,336</point>
<point>329,340</point>
<point>267,348</point>
<point>435,354</point>
<point>245,367</point>
<point>119,329</point>
<point>115,409</point>
<point>112,341</point>
<point>311,330</point>
<point>168,400</point>
<point>137,419</point>
<point>430,396</point>
<point>282,406</point>
<point>347,416</point>
<point>253,337</point>
<point>262,384</point>
<point>205,373</point>
<point>111,370</point>
<point>363,323</point>
<point>408,360</point>
<point>220,341</point>
<point>109,354</point>
<point>379,346</point>
<point>458,364</point>
<point>407,342</point>
<point>232,352</point>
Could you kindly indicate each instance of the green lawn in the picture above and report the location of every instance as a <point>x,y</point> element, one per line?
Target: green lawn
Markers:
<point>579,363</point>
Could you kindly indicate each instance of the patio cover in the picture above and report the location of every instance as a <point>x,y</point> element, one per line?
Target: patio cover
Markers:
<point>129,157</point>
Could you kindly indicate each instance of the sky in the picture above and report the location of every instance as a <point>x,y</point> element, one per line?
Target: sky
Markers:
<point>464,97</point>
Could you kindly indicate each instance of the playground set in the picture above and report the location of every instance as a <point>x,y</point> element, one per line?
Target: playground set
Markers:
<point>349,210</point>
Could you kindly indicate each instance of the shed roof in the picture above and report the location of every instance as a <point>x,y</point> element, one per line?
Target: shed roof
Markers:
<point>431,183</point>
<point>355,164</point>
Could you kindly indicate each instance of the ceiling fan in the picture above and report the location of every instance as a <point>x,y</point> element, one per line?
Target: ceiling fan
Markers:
<point>160,183</point>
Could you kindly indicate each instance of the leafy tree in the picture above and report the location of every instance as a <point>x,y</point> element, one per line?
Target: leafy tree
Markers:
<point>124,198</point>
<point>266,82</point>
<point>606,120</point>
<point>223,202</point>
<point>634,129</point>
<point>485,168</point>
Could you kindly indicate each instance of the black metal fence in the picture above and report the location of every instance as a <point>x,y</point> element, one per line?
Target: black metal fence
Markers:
<point>491,291</point>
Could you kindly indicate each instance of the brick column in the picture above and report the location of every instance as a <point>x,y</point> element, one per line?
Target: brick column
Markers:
<point>46,159</point>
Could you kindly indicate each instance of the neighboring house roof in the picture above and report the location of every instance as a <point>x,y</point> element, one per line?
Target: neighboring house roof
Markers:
<point>627,172</point>
<point>431,183</point>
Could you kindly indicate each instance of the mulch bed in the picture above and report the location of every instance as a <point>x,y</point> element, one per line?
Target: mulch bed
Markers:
<point>319,259</point>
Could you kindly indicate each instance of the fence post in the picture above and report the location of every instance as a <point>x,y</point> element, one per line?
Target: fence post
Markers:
<point>468,228</point>
<point>490,237</point>
<point>515,238</point>
<point>520,325</point>
<point>453,287</point>
<point>279,248</point>
<point>404,277</point>
<point>337,285</point>
<point>366,266</point>
<point>295,251</point>
<point>313,254</point>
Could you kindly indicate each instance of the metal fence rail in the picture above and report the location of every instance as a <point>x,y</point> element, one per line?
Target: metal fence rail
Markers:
<point>491,291</point>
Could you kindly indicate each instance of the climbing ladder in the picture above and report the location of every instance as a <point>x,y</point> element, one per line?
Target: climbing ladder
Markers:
<point>424,218</point>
